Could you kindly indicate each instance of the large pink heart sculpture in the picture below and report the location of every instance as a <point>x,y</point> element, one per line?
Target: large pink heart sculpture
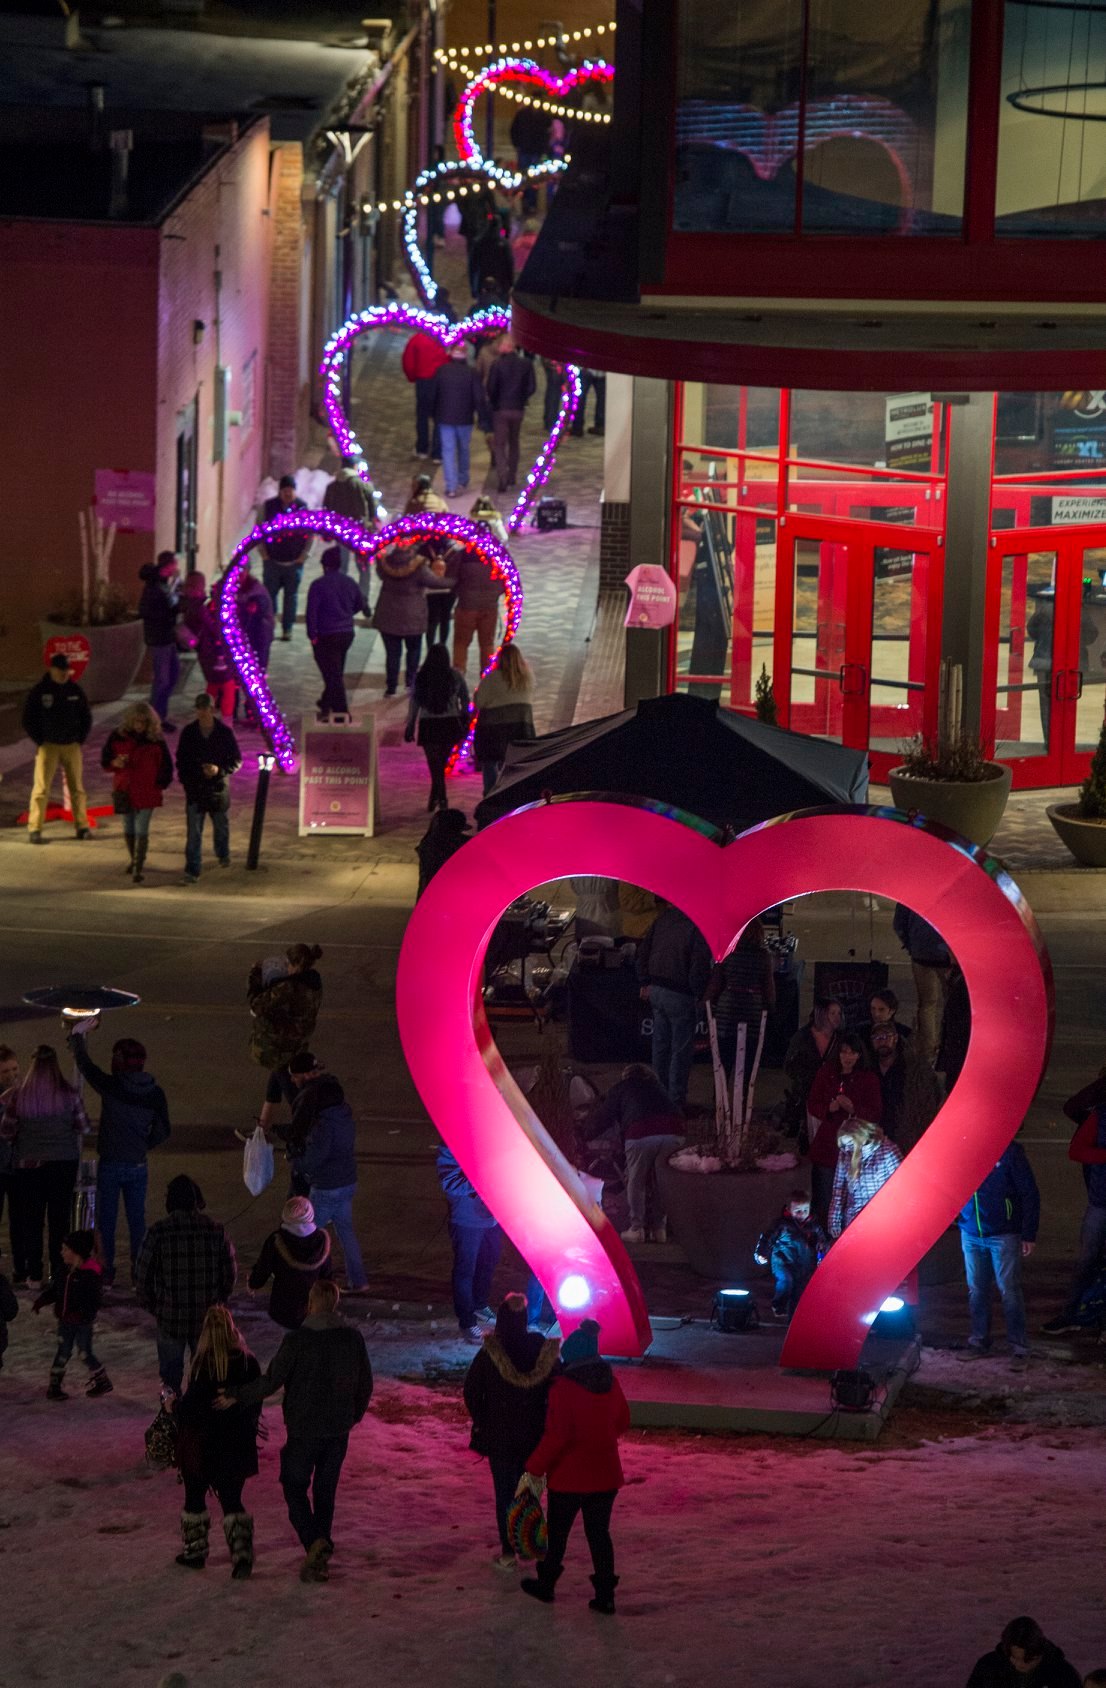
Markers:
<point>505,1150</point>
<point>530,74</point>
<point>341,531</point>
<point>396,315</point>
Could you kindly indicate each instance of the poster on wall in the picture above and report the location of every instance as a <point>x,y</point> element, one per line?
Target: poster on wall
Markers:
<point>908,442</point>
<point>1079,431</point>
<point>339,789</point>
<point>126,498</point>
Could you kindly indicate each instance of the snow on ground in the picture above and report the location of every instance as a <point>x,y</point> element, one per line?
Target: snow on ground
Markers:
<point>743,1560</point>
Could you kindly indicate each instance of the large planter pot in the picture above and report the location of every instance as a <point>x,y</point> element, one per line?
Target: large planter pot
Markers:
<point>1085,839</point>
<point>716,1217</point>
<point>116,653</point>
<point>972,808</point>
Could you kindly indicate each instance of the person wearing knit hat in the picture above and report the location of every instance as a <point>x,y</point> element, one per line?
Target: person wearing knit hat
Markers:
<point>295,1256</point>
<point>505,1392</point>
<point>578,1457</point>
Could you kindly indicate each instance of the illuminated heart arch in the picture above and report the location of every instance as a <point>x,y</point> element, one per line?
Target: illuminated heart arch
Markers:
<point>461,179</point>
<point>530,74</point>
<point>412,319</point>
<point>408,530</point>
<point>510,1158</point>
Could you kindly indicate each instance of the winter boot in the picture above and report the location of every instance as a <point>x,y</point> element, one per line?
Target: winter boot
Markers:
<point>238,1529</point>
<point>128,839</point>
<point>604,1594</point>
<point>193,1528</point>
<point>54,1390</point>
<point>141,845</point>
<point>99,1383</point>
<point>541,1587</point>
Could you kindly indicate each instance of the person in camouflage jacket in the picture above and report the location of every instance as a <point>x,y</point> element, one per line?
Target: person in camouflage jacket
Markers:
<point>284,1012</point>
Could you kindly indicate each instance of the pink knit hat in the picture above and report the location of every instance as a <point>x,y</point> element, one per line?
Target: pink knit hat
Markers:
<point>298,1216</point>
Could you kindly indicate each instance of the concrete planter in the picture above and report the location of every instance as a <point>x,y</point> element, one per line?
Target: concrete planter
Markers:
<point>117,652</point>
<point>1085,839</point>
<point>971,808</point>
<point>716,1217</point>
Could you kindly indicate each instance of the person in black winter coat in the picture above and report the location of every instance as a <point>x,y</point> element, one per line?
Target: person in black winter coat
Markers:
<point>134,1118</point>
<point>673,965</point>
<point>217,1450</point>
<point>506,1392</point>
<point>448,830</point>
<point>9,1310</point>
<point>57,719</point>
<point>285,556</point>
<point>511,385</point>
<point>294,1257</point>
<point>792,1247</point>
<point>328,1382</point>
<point>457,399</point>
<point>1024,1659</point>
<point>207,755</point>
<point>159,607</point>
<point>75,1294</point>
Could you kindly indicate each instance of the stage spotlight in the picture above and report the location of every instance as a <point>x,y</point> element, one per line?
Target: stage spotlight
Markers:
<point>852,1391</point>
<point>734,1310</point>
<point>894,1319</point>
<point>574,1292</point>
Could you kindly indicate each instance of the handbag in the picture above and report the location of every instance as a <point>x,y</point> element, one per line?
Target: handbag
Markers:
<point>161,1442</point>
<point>258,1164</point>
<point>526,1528</point>
<point>120,801</point>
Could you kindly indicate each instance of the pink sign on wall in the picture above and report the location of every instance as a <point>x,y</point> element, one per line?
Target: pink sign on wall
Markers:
<point>125,497</point>
<point>338,786</point>
<point>652,597</point>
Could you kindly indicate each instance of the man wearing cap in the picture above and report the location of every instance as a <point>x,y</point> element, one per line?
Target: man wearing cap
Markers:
<point>332,602</point>
<point>207,755</point>
<point>285,556</point>
<point>159,607</point>
<point>186,1265</point>
<point>321,1146</point>
<point>57,718</point>
<point>294,1257</point>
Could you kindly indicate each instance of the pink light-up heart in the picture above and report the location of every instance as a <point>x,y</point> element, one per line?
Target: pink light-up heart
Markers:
<point>342,531</point>
<point>531,74</point>
<point>521,1175</point>
<point>412,318</point>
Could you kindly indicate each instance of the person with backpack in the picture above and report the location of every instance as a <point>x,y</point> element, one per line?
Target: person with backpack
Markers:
<point>998,1229</point>
<point>506,1390</point>
<point>134,1118</point>
<point>578,1457</point>
<point>439,715</point>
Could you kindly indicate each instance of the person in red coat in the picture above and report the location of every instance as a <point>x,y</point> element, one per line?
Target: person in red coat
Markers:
<point>141,768</point>
<point>578,1457</point>
<point>842,1088</point>
<point>423,356</point>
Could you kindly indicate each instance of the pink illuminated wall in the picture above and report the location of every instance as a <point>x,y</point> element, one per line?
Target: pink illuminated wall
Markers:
<point>511,1160</point>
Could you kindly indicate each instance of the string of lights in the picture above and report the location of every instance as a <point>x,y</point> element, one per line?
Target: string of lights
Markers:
<point>479,176</point>
<point>554,109</point>
<point>454,57</point>
<point>507,181</point>
<point>527,72</point>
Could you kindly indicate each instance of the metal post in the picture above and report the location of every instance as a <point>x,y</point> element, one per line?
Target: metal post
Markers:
<point>967,535</point>
<point>261,797</point>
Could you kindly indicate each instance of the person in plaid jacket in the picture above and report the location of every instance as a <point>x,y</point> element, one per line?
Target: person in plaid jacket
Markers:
<point>186,1265</point>
<point>865,1161</point>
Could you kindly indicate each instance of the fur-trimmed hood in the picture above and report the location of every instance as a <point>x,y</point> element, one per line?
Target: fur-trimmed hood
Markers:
<point>303,1254</point>
<point>398,564</point>
<point>539,1373</point>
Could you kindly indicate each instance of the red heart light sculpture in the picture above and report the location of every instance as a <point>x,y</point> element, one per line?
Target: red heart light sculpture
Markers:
<point>396,315</point>
<point>408,530</point>
<point>522,1176</point>
<point>530,74</point>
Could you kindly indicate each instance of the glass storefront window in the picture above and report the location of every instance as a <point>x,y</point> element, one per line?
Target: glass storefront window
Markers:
<point>1052,122</point>
<point>882,124</point>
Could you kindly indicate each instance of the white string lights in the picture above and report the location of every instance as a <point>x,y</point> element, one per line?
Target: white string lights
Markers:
<point>454,57</point>
<point>551,106</point>
<point>507,181</point>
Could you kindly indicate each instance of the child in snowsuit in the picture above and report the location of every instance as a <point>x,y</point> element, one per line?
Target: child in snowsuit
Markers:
<point>792,1247</point>
<point>9,1309</point>
<point>75,1293</point>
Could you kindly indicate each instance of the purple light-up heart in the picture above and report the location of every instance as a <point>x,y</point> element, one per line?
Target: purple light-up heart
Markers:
<point>342,531</point>
<point>413,318</point>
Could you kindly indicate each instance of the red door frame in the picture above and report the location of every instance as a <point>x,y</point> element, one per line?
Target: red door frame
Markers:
<point>844,694</point>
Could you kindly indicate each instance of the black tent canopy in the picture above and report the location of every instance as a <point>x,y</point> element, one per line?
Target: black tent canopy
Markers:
<point>688,752</point>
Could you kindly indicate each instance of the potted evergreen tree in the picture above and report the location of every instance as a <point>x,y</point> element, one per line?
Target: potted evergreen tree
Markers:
<point>947,777</point>
<point>1082,825</point>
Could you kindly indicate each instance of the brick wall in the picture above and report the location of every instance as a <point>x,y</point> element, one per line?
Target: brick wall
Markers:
<point>221,226</point>
<point>287,391</point>
<point>614,545</point>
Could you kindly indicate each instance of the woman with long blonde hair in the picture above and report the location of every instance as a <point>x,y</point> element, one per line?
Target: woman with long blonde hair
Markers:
<point>866,1159</point>
<point>217,1449</point>
<point>137,757</point>
<point>504,712</point>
